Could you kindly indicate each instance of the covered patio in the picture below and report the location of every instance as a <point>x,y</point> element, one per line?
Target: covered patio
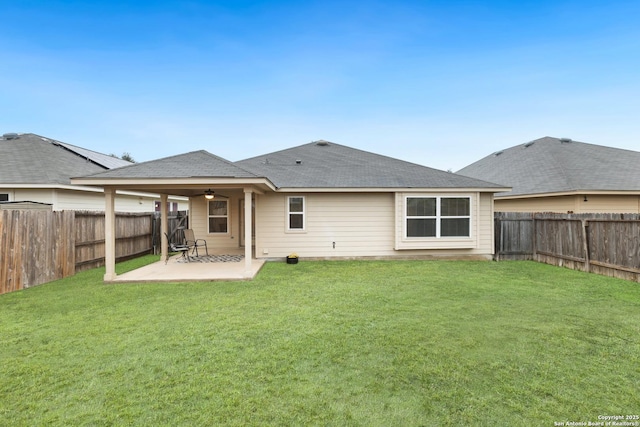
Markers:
<point>193,175</point>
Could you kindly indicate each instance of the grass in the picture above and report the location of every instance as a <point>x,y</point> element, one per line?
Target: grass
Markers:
<point>325,343</point>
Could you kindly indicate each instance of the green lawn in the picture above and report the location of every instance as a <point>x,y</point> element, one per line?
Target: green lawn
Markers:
<point>372,343</point>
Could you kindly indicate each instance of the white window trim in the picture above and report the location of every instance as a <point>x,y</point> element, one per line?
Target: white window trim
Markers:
<point>438,217</point>
<point>288,214</point>
<point>227,216</point>
<point>448,242</point>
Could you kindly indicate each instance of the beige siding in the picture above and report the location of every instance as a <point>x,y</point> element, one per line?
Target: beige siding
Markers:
<point>607,204</point>
<point>485,224</point>
<point>574,203</point>
<point>75,200</point>
<point>199,221</point>
<point>360,225</point>
<point>63,199</point>
<point>42,195</point>
<point>82,200</point>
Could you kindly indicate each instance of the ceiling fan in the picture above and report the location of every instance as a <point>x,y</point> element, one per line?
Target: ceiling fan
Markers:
<point>210,195</point>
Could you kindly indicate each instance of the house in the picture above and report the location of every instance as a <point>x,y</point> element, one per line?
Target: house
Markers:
<point>38,169</point>
<point>562,175</point>
<point>318,200</point>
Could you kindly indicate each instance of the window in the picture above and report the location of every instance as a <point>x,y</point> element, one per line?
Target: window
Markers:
<point>421,216</point>
<point>4,197</point>
<point>438,217</point>
<point>455,216</point>
<point>218,216</point>
<point>295,213</point>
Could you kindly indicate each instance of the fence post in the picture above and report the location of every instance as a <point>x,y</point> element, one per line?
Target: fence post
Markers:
<point>585,244</point>
<point>496,239</point>
<point>534,237</point>
<point>164,227</point>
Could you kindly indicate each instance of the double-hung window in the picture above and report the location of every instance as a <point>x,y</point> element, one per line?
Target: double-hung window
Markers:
<point>218,216</point>
<point>295,213</point>
<point>438,217</point>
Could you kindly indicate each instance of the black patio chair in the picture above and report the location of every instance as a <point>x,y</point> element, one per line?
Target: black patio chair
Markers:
<point>192,243</point>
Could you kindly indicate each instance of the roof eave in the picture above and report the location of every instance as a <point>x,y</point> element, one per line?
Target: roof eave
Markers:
<point>49,186</point>
<point>390,189</point>
<point>569,193</point>
<point>174,183</point>
<point>89,189</point>
<point>111,182</point>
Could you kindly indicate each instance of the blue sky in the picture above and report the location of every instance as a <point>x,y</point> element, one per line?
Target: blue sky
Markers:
<point>440,83</point>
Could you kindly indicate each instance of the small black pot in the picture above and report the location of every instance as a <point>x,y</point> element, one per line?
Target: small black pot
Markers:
<point>292,260</point>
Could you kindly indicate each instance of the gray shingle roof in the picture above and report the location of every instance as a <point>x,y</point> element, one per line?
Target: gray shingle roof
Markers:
<point>33,159</point>
<point>550,165</point>
<point>323,164</point>
<point>189,165</point>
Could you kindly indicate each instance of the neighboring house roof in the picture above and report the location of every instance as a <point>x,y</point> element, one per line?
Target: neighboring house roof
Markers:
<point>108,161</point>
<point>323,164</point>
<point>32,159</point>
<point>196,164</point>
<point>553,165</point>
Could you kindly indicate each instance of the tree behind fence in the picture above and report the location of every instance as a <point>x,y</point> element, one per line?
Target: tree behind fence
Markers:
<point>607,244</point>
<point>41,246</point>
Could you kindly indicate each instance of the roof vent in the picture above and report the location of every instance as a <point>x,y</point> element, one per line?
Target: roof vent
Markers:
<point>529,144</point>
<point>322,143</point>
<point>11,135</point>
<point>565,140</point>
<point>497,153</point>
<point>298,162</point>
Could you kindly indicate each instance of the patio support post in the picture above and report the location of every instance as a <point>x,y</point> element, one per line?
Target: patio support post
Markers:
<point>248,193</point>
<point>164,227</point>
<point>110,234</point>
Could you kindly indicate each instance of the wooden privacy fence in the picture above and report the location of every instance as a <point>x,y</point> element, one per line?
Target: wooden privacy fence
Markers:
<point>133,237</point>
<point>178,220</point>
<point>35,247</point>
<point>40,246</point>
<point>607,244</point>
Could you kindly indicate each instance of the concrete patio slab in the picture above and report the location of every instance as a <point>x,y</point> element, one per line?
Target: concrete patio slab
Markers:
<point>174,271</point>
